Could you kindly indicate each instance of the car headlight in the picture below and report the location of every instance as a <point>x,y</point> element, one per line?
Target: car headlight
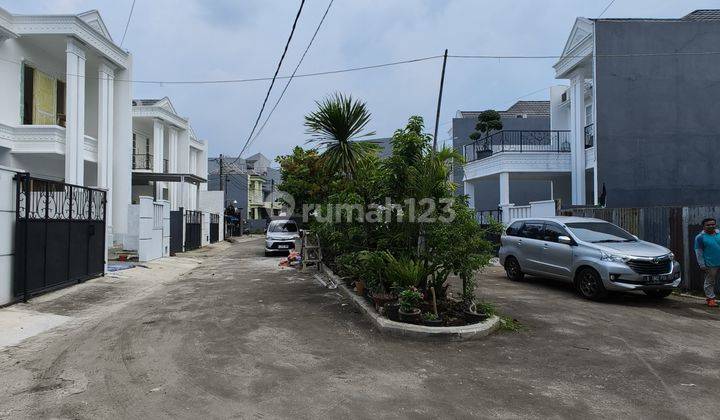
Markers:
<point>605,256</point>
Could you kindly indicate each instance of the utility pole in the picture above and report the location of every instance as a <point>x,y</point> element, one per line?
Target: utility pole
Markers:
<point>437,115</point>
<point>220,175</point>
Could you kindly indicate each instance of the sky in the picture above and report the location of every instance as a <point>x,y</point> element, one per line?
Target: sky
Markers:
<point>235,39</point>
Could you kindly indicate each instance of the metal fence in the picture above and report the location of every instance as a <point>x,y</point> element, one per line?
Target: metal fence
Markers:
<point>557,141</point>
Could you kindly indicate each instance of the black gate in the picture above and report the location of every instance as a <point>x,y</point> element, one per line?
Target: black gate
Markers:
<point>59,235</point>
<point>193,229</point>
<point>214,228</point>
<point>176,231</point>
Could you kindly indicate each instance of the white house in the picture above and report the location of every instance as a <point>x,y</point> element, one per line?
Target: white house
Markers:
<point>169,162</point>
<point>65,108</point>
<point>65,116</point>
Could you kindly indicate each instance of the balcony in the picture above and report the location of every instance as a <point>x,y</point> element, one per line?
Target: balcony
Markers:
<point>142,161</point>
<point>589,136</point>
<point>543,141</point>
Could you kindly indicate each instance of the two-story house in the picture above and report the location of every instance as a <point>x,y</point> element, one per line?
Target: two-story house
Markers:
<point>633,128</point>
<point>169,162</point>
<point>65,104</point>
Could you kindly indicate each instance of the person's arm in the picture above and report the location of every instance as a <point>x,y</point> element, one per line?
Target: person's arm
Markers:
<point>699,255</point>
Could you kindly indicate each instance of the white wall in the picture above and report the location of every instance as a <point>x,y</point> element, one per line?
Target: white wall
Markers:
<point>205,229</point>
<point>7,233</point>
<point>559,114</point>
<point>131,237</point>
<point>17,50</point>
<point>122,151</point>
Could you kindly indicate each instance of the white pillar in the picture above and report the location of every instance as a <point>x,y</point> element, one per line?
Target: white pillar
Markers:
<point>577,134</point>
<point>469,189</point>
<point>504,188</point>
<point>172,156</point>
<point>106,86</point>
<point>122,150</point>
<point>157,150</point>
<point>75,113</point>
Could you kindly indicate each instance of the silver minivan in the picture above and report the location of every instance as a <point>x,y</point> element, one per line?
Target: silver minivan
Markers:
<point>594,255</point>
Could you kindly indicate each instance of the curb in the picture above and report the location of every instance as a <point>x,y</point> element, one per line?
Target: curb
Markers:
<point>401,329</point>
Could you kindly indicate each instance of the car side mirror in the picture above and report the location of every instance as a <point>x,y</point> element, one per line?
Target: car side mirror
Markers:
<point>564,240</point>
<point>636,238</point>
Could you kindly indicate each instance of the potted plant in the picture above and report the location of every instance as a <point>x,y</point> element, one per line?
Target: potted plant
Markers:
<point>432,320</point>
<point>409,299</point>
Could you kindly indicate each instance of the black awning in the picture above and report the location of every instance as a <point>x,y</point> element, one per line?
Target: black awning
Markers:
<point>142,178</point>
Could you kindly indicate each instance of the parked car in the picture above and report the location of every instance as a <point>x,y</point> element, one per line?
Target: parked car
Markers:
<point>280,236</point>
<point>596,256</point>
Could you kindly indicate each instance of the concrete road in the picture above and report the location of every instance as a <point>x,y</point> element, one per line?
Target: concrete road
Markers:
<point>239,337</point>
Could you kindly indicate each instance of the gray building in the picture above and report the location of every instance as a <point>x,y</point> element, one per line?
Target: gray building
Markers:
<point>636,126</point>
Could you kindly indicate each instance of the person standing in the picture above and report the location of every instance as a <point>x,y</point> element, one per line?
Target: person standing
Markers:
<point>707,251</point>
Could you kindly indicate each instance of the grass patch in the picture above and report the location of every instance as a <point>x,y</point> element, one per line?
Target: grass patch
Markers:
<point>506,323</point>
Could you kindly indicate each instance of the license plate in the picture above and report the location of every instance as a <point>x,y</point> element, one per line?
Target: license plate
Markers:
<point>283,246</point>
<point>662,278</point>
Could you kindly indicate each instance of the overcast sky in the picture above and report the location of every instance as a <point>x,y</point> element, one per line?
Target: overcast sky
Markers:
<point>231,39</point>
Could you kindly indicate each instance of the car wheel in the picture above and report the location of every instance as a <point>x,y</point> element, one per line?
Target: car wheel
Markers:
<point>658,293</point>
<point>589,284</point>
<point>512,269</point>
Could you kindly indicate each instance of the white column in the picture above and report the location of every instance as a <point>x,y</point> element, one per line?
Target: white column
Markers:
<point>106,86</point>
<point>75,113</point>
<point>106,75</point>
<point>470,192</point>
<point>172,156</point>
<point>504,188</point>
<point>157,150</point>
<point>157,146</point>
<point>577,134</point>
<point>122,150</point>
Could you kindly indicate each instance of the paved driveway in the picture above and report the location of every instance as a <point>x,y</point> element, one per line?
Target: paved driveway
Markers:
<point>240,337</point>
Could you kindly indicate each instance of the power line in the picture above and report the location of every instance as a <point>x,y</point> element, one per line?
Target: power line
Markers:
<point>606,8</point>
<point>272,83</point>
<point>127,24</point>
<point>317,29</point>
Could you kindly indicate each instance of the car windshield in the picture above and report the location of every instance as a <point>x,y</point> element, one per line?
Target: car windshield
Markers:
<point>283,227</point>
<point>597,232</point>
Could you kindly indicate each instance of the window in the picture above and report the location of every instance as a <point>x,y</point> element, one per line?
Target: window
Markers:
<point>43,98</point>
<point>588,114</point>
<point>288,226</point>
<point>532,230</point>
<point>514,229</point>
<point>597,232</point>
<point>552,232</point>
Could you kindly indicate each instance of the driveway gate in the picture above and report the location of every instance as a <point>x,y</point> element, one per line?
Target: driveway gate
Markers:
<point>193,229</point>
<point>214,228</point>
<point>176,231</point>
<point>59,235</point>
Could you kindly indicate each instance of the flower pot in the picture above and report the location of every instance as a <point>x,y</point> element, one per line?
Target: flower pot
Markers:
<point>392,311</point>
<point>412,316</point>
<point>360,287</point>
<point>472,317</point>
<point>433,322</point>
<point>382,299</point>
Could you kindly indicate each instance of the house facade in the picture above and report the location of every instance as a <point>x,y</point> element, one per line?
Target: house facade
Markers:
<point>631,128</point>
<point>169,162</point>
<point>65,109</point>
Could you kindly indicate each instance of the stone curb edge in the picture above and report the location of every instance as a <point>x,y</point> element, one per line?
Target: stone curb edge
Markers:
<point>465,332</point>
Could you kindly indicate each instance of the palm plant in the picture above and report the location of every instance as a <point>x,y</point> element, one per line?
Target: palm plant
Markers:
<point>336,125</point>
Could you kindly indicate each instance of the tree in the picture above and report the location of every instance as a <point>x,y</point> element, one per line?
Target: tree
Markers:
<point>304,177</point>
<point>488,120</point>
<point>336,125</point>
